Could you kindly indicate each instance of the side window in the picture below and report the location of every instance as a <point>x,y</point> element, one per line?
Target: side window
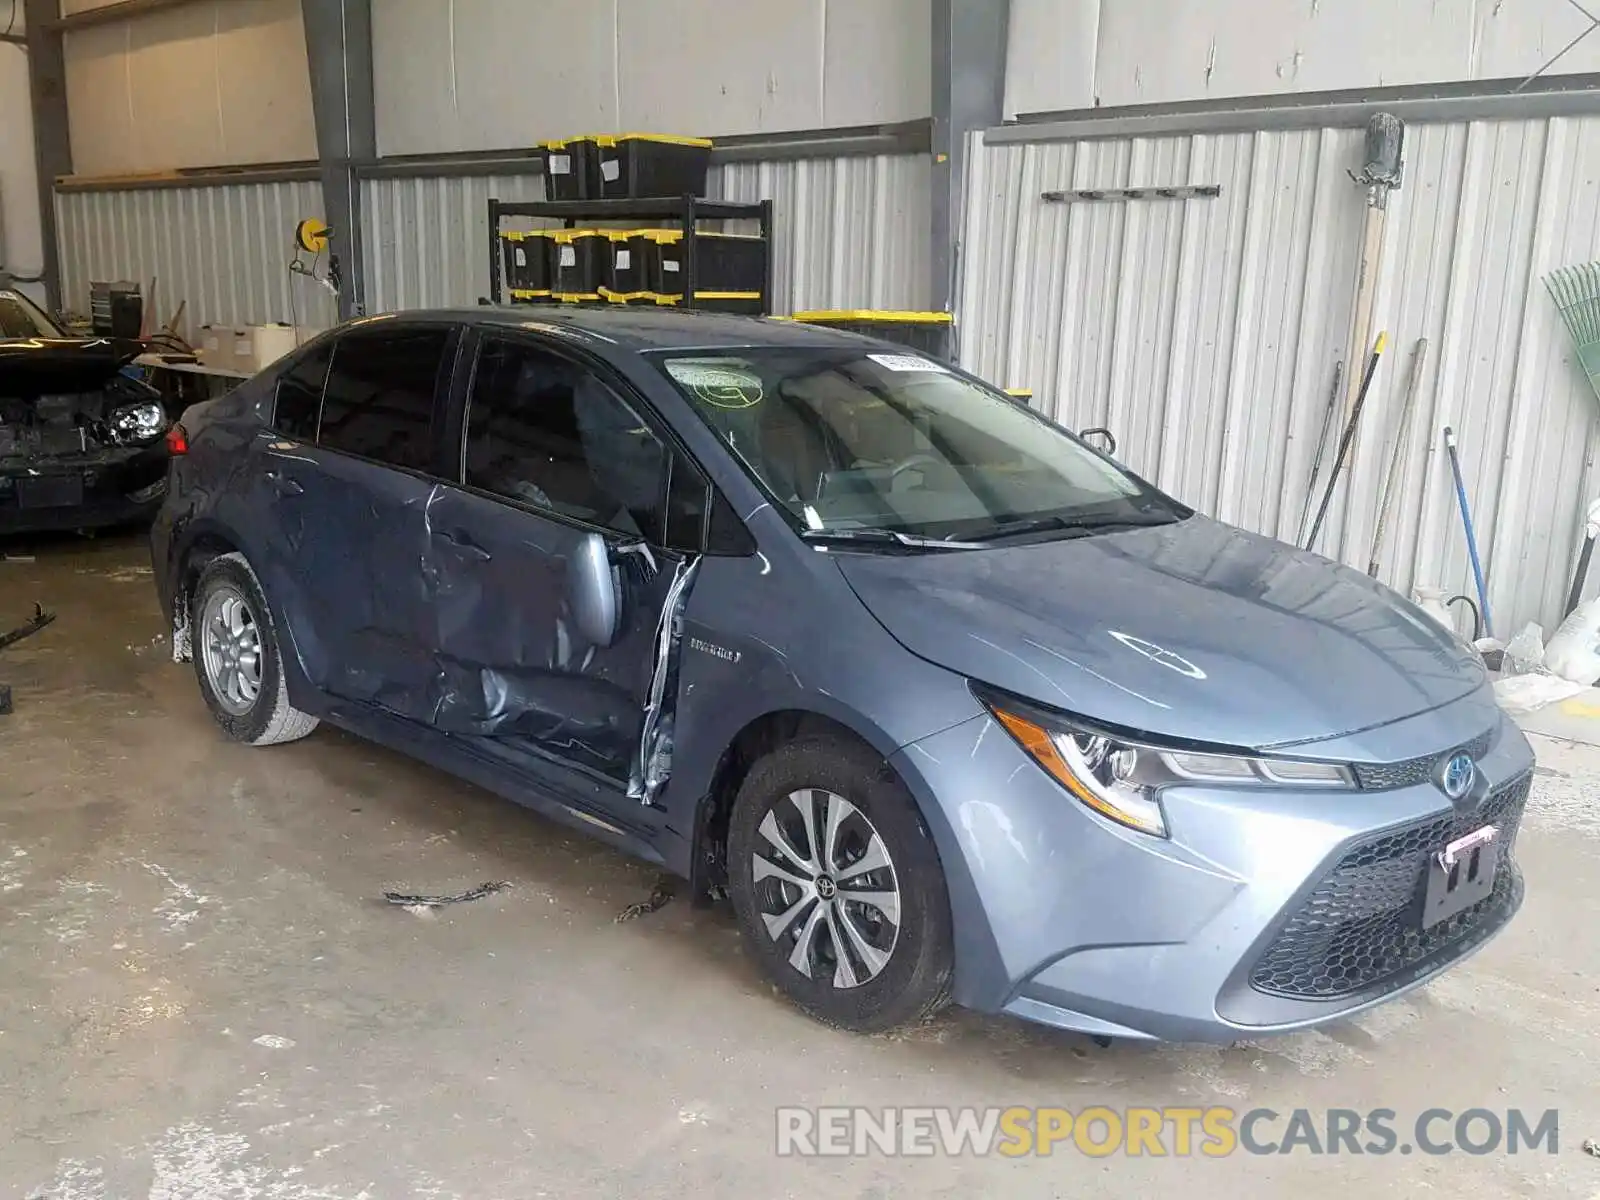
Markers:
<point>379,398</point>
<point>545,430</point>
<point>299,398</point>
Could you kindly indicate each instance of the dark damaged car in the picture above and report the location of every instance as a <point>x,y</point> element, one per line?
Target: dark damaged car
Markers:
<point>948,703</point>
<point>81,442</point>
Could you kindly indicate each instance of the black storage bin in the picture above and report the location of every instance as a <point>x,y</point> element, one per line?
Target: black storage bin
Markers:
<point>578,263</point>
<point>627,277</point>
<point>925,331</point>
<point>571,169</point>
<point>641,165</point>
<point>527,262</point>
<point>730,262</point>
<point>663,261</point>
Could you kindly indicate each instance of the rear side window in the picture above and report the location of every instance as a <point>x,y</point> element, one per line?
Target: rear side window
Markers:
<point>300,394</point>
<point>378,403</point>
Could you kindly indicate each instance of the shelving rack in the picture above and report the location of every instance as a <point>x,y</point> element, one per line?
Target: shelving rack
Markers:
<point>683,211</point>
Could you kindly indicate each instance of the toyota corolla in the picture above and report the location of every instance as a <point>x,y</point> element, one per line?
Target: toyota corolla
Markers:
<point>947,702</point>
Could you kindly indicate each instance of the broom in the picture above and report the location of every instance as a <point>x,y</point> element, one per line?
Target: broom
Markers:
<point>1576,291</point>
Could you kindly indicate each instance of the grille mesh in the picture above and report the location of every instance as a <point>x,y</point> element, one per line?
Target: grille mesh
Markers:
<point>1379,777</point>
<point>1363,923</point>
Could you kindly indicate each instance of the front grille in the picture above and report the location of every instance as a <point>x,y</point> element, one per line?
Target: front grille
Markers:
<point>1363,923</point>
<point>1379,777</point>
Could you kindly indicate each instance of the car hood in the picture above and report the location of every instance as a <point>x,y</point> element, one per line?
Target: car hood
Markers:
<point>1195,631</point>
<point>32,367</point>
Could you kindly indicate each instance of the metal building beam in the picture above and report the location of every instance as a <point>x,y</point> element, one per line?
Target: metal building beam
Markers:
<point>339,52</point>
<point>52,136</point>
<point>122,10</point>
<point>969,83</point>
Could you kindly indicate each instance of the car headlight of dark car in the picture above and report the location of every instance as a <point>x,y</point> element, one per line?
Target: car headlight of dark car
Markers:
<point>141,422</point>
<point>1123,780</point>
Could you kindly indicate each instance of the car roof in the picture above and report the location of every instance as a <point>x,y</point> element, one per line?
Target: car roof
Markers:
<point>636,328</point>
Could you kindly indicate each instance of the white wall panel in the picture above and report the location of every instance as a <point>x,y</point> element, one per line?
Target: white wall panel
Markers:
<point>1068,54</point>
<point>23,248</point>
<point>1205,332</point>
<point>206,84</point>
<point>456,75</point>
<point>224,250</point>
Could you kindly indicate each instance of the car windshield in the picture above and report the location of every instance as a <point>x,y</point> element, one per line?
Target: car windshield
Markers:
<point>850,441</point>
<point>21,318</point>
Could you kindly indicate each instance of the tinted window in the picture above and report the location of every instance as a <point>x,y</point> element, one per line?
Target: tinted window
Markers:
<point>379,398</point>
<point>300,394</point>
<point>544,430</point>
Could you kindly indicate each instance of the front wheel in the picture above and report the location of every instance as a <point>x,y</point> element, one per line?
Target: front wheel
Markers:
<point>236,657</point>
<point>838,887</point>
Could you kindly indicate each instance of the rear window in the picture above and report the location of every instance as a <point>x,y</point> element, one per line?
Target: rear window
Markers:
<point>20,319</point>
<point>378,402</point>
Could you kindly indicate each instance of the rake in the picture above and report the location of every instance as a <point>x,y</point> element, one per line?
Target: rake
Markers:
<point>1576,291</point>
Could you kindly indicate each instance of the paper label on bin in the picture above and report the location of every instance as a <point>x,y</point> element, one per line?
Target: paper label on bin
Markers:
<point>521,256</point>
<point>669,264</point>
<point>569,256</point>
<point>907,363</point>
<point>610,169</point>
<point>624,259</point>
<point>561,164</point>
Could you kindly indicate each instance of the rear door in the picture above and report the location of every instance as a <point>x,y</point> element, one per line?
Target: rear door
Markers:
<point>554,450</point>
<point>351,509</point>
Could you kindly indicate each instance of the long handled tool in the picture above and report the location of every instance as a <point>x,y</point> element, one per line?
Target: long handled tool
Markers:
<point>1591,531</point>
<point>1472,537</point>
<point>1348,437</point>
<point>1322,447</point>
<point>1418,356</point>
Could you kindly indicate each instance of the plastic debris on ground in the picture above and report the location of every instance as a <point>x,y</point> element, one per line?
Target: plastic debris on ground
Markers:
<point>666,888</point>
<point>1525,652</point>
<point>1519,694</point>
<point>1591,1147</point>
<point>1574,650</point>
<point>418,904</point>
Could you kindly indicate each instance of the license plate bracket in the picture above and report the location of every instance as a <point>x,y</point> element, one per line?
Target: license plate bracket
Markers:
<point>1461,875</point>
<point>50,491</point>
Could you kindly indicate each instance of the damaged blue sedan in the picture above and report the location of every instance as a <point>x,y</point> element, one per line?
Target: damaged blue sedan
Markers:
<point>947,702</point>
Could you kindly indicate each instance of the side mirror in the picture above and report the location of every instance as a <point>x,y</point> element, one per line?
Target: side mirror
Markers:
<point>1101,438</point>
<point>594,591</point>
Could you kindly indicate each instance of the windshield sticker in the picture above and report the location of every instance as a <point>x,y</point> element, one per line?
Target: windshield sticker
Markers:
<point>717,384</point>
<point>908,363</point>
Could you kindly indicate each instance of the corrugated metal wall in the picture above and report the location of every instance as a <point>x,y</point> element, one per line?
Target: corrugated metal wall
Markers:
<point>225,250</point>
<point>850,232</point>
<point>1205,332</point>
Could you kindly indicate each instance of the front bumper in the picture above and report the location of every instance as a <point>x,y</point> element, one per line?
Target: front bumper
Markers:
<point>1267,910</point>
<point>94,491</point>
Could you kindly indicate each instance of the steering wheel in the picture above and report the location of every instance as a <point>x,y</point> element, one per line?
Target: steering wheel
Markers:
<point>911,462</point>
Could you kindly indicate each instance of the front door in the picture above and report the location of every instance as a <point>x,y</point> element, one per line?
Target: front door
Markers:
<point>552,455</point>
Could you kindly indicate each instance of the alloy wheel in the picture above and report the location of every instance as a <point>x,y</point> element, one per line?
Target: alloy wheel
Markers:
<point>826,888</point>
<point>230,648</point>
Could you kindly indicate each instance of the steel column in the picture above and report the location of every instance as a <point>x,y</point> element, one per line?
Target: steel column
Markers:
<point>339,51</point>
<point>52,137</point>
<point>969,83</point>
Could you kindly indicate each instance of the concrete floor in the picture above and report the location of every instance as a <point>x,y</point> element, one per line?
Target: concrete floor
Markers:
<point>206,999</point>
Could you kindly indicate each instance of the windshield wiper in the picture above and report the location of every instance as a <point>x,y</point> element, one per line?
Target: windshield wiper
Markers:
<point>883,537</point>
<point>1082,524</point>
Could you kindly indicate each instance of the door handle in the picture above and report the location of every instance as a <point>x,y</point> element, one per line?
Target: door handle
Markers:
<point>466,545</point>
<point>283,485</point>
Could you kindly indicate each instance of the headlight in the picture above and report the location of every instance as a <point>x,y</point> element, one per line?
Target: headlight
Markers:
<point>138,422</point>
<point>1124,781</point>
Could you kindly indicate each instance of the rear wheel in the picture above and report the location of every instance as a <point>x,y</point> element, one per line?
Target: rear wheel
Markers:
<point>838,887</point>
<point>236,657</point>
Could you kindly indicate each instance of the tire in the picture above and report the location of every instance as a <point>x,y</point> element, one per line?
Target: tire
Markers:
<point>913,981</point>
<point>264,718</point>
